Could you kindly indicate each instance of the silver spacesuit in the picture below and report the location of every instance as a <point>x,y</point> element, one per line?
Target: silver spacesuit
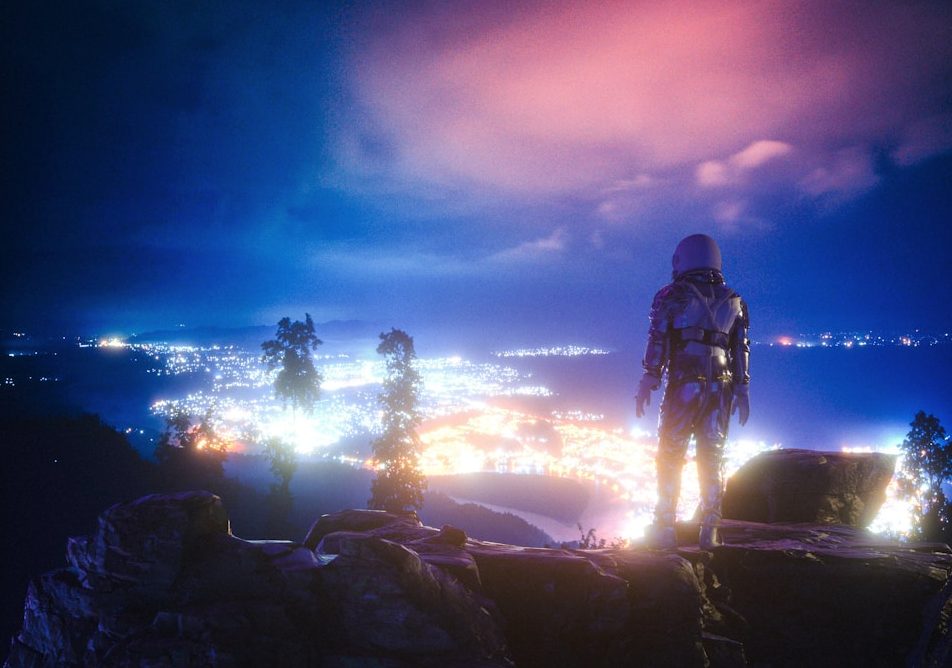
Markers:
<point>698,335</point>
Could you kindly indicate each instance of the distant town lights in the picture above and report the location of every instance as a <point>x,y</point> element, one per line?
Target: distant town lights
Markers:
<point>465,429</point>
<point>114,342</point>
<point>553,351</point>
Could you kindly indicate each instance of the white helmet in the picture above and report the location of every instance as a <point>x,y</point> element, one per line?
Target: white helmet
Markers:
<point>697,251</point>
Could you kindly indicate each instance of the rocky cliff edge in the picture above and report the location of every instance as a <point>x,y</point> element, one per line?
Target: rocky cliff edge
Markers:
<point>163,582</point>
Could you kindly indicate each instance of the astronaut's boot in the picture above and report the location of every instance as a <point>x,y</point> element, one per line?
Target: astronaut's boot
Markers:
<point>661,535</point>
<point>709,537</point>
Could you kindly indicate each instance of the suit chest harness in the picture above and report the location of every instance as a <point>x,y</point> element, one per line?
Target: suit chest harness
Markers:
<point>709,333</point>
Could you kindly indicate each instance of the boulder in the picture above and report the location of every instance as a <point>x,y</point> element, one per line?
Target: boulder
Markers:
<point>143,543</point>
<point>359,520</point>
<point>559,608</point>
<point>665,624</point>
<point>386,600</point>
<point>447,551</point>
<point>809,486</point>
<point>828,595</point>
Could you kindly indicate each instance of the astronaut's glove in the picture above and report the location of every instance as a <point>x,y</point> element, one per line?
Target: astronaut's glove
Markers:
<point>646,386</point>
<point>741,403</point>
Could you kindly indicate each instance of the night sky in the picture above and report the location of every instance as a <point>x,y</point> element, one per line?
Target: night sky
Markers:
<point>477,164</point>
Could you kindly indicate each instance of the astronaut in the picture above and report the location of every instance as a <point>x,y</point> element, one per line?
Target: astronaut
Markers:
<point>698,336</point>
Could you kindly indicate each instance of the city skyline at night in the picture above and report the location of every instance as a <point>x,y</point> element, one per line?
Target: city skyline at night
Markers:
<point>496,414</point>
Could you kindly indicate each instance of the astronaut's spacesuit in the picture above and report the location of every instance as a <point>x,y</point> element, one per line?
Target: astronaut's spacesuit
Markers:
<point>698,336</point>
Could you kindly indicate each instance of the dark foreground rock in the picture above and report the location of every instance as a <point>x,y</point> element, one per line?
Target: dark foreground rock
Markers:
<point>164,583</point>
<point>810,486</point>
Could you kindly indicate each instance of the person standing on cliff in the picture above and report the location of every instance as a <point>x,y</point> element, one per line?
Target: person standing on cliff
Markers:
<point>698,337</point>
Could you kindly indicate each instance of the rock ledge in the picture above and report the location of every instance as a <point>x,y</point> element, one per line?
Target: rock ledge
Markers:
<point>163,582</point>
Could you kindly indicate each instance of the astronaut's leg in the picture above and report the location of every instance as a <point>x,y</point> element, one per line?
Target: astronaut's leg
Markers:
<point>711,435</point>
<point>711,480</point>
<point>676,424</point>
<point>669,462</point>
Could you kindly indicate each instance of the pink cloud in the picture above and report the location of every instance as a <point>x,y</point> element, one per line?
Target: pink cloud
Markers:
<point>711,173</point>
<point>567,97</point>
<point>760,152</point>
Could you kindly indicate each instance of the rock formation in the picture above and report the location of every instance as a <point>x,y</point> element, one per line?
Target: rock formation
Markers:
<point>163,582</point>
<point>810,486</point>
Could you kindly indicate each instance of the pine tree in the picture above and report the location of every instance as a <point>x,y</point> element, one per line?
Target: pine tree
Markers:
<point>926,465</point>
<point>297,381</point>
<point>399,484</point>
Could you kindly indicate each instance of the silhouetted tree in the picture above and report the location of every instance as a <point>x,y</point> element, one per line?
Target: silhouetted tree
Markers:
<point>282,460</point>
<point>399,484</point>
<point>926,465</point>
<point>298,382</point>
<point>191,453</point>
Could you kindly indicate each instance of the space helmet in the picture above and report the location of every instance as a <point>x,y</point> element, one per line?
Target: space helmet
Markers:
<point>697,251</point>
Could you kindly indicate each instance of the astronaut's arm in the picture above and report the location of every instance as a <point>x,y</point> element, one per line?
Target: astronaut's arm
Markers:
<point>656,354</point>
<point>657,349</point>
<point>740,347</point>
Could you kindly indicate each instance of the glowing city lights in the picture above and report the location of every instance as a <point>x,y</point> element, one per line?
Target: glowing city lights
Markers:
<point>113,342</point>
<point>469,424</point>
<point>553,351</point>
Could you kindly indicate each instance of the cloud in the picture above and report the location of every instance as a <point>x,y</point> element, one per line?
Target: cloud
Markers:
<point>368,263</point>
<point>846,173</point>
<point>569,98</point>
<point>622,200</point>
<point>730,212</point>
<point>715,173</point>
<point>639,182</point>
<point>760,152</point>
<point>712,173</point>
<point>924,139</point>
<point>738,215</point>
<point>535,250</point>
